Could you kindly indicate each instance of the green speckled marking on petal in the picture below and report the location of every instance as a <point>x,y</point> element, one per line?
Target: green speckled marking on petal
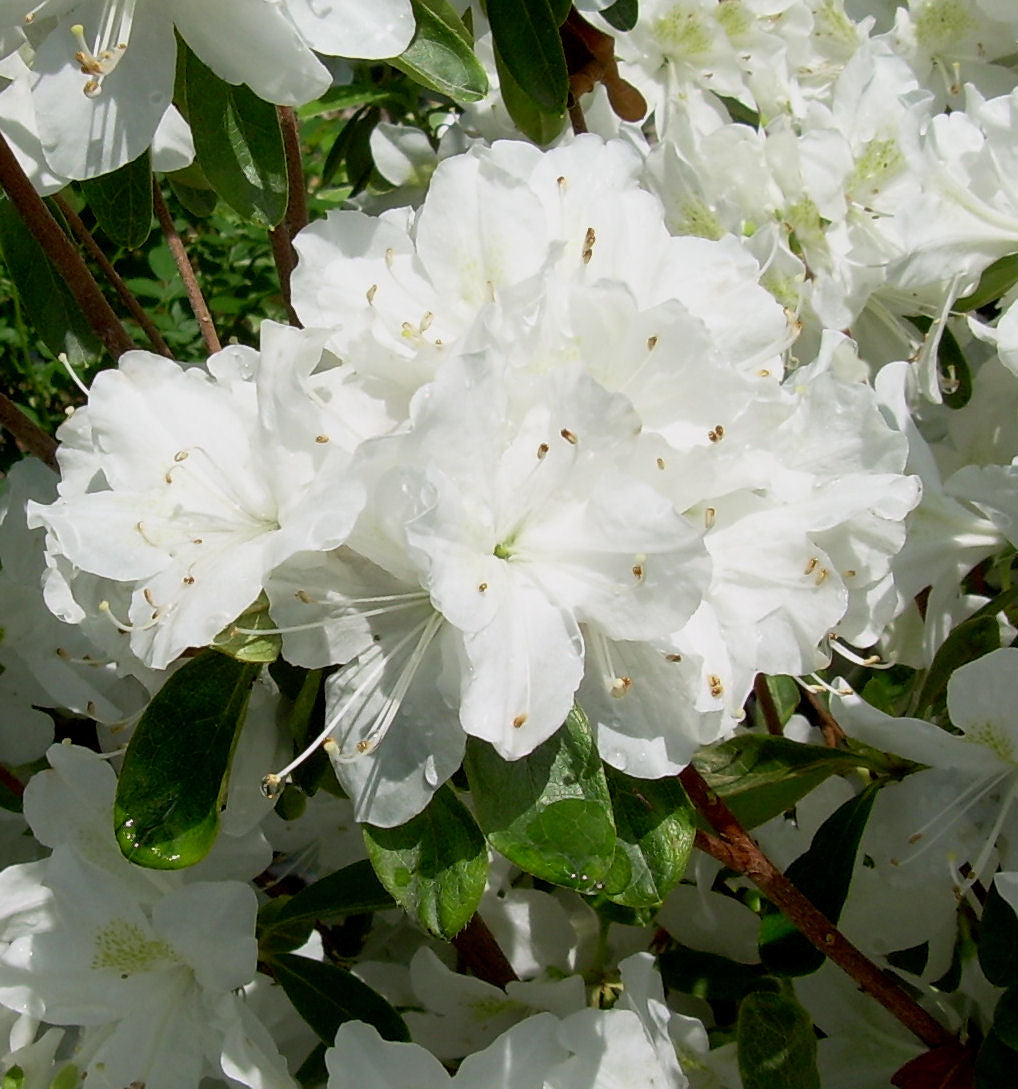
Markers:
<point>123,947</point>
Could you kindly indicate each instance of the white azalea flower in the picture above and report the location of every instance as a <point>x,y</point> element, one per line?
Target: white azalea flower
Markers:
<point>105,68</point>
<point>187,486</point>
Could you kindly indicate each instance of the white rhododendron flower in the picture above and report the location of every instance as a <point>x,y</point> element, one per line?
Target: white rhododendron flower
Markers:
<point>105,68</point>
<point>187,485</point>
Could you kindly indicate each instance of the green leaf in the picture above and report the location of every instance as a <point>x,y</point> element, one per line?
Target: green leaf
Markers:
<point>174,776</point>
<point>122,202</point>
<point>622,14</point>
<point>969,640</point>
<point>9,800</point>
<point>760,776</point>
<point>349,891</point>
<point>435,865</point>
<point>998,940</point>
<point>777,1047</point>
<point>1005,1017</point>
<point>49,304</point>
<point>441,54</point>
<point>527,39</point>
<point>995,1064</point>
<point>785,693</point>
<point>247,647</point>
<point>277,935</point>
<point>997,279</point>
<point>192,189</point>
<point>710,976</point>
<point>237,142</point>
<point>537,124</point>
<point>313,1071</point>
<point>549,812</point>
<point>951,364</point>
<point>14,1078</point>
<point>822,874</point>
<point>326,995</point>
<point>303,714</point>
<point>655,824</point>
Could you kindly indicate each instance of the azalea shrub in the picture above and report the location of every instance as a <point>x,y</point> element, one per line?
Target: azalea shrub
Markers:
<point>507,544</point>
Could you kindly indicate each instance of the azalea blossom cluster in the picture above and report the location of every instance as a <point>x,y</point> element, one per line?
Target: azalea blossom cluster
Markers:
<point>628,423</point>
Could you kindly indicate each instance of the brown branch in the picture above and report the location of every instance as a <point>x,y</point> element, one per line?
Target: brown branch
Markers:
<point>28,434</point>
<point>576,118</point>
<point>296,217</point>
<point>834,735</point>
<point>114,277</point>
<point>66,259</point>
<point>477,949</point>
<point>765,701</point>
<point>176,244</point>
<point>736,850</point>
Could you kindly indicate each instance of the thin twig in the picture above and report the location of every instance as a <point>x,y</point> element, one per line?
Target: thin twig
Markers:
<point>176,244</point>
<point>765,701</point>
<point>62,252</point>
<point>479,952</point>
<point>28,433</point>
<point>114,277</point>
<point>834,735</point>
<point>734,847</point>
<point>296,217</point>
<point>576,118</point>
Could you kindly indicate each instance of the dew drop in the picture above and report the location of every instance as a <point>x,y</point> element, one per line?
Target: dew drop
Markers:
<point>430,772</point>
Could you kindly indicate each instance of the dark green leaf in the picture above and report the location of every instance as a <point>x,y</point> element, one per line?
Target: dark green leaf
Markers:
<point>969,640</point>
<point>530,119</point>
<point>997,278</point>
<point>995,1065</point>
<point>1005,1017</point>
<point>441,54</point>
<point>14,1078</point>
<point>303,716</point>
<point>9,800</point>
<point>435,865</point>
<point>560,10</point>
<point>709,976</point>
<point>326,995</point>
<point>348,891</point>
<point>998,940</point>
<point>192,189</point>
<point>777,1047</point>
<point>238,144</point>
<point>277,935</point>
<point>122,202</point>
<point>655,824</point>
<point>822,874</point>
<point>550,812</point>
<point>622,14</point>
<point>760,776</point>
<point>313,1071</point>
<point>175,770</point>
<point>955,377</point>
<point>527,39</point>
<point>341,145</point>
<point>49,304</point>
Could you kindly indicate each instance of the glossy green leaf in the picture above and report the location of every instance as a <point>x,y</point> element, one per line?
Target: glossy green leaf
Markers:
<point>277,935</point>
<point>237,142</point>
<point>997,279</point>
<point>785,693</point>
<point>998,940</point>
<point>14,1078</point>
<point>303,713</point>
<point>1005,1017</point>
<point>435,865</point>
<point>655,823</point>
<point>539,125</point>
<point>192,189</point>
<point>550,812</point>
<point>622,14</point>
<point>822,874</point>
<point>777,1047</point>
<point>441,54</point>
<point>326,995</point>
<point>313,1073</point>
<point>258,641</point>
<point>174,776</point>
<point>122,202</point>
<point>348,891</point>
<point>760,776</point>
<point>527,38</point>
<point>49,305</point>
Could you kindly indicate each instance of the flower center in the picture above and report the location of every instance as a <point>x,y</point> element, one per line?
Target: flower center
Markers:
<point>109,47</point>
